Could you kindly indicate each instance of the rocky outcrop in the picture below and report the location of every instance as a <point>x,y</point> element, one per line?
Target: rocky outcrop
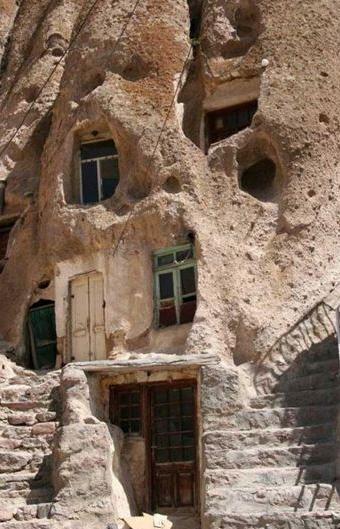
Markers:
<point>29,404</point>
<point>87,467</point>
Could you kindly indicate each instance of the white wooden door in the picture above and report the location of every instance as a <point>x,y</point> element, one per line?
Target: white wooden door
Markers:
<point>88,325</point>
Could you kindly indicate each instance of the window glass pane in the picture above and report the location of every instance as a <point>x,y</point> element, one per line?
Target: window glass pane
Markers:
<point>161,395</point>
<point>161,426</point>
<point>125,426</point>
<point>165,259</point>
<point>174,425</point>
<point>175,409</point>
<point>176,454</point>
<point>175,440</point>
<point>97,149</point>
<point>188,439</point>
<point>188,282</point>
<point>124,413</point>
<point>124,398</point>
<point>166,285</point>
<point>161,411</point>
<point>174,395</point>
<point>162,456</point>
<point>135,426</point>
<point>135,397</point>
<point>187,310</point>
<point>109,173</point>
<point>187,408</point>
<point>188,454</point>
<point>187,394</point>
<point>182,255</point>
<point>187,424</point>
<point>128,411</point>
<point>135,412</point>
<point>167,316</point>
<point>89,182</point>
<point>162,441</point>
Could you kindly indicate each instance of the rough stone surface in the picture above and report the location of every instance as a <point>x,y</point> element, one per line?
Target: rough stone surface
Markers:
<point>268,262</point>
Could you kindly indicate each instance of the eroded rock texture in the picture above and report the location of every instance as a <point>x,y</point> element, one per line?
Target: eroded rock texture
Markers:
<point>262,207</point>
<point>263,260</point>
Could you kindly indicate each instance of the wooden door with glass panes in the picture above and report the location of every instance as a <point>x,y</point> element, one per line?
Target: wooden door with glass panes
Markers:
<point>165,415</point>
<point>173,445</point>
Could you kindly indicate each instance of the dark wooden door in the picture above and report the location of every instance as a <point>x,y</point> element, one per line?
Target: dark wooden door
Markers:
<point>42,334</point>
<point>173,445</point>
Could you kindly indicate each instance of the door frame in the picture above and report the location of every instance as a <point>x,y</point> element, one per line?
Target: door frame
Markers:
<point>146,433</point>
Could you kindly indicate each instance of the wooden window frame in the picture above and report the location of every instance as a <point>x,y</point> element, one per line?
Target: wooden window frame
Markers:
<point>174,268</point>
<point>99,177</point>
<point>223,112</point>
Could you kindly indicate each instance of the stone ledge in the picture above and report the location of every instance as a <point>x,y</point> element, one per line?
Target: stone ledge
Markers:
<point>151,362</point>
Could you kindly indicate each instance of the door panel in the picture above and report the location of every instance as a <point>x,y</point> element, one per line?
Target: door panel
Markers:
<point>173,445</point>
<point>80,319</point>
<point>97,324</point>
<point>43,338</point>
<point>164,486</point>
<point>185,480</point>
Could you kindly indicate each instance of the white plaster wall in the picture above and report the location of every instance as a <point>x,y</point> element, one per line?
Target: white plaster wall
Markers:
<point>128,295</point>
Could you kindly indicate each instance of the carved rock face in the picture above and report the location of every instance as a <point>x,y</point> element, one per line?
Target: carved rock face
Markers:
<point>262,263</point>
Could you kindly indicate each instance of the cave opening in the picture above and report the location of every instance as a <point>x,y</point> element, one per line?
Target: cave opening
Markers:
<point>259,180</point>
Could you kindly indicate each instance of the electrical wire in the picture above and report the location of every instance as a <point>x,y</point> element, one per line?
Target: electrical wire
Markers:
<point>73,39</point>
<point>62,57</point>
<point>157,142</point>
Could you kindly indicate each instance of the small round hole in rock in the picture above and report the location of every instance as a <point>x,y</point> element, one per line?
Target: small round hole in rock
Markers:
<point>259,180</point>
<point>172,185</point>
<point>44,284</point>
<point>323,118</point>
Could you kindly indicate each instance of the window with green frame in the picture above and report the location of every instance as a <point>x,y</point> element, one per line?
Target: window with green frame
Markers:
<point>175,285</point>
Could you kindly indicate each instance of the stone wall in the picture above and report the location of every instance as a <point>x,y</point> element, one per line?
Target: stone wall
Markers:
<point>261,263</point>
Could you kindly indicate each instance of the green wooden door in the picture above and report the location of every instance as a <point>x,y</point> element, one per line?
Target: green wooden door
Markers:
<point>43,338</point>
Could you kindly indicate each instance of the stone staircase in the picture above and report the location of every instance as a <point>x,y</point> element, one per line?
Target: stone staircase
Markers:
<point>273,466</point>
<point>28,419</point>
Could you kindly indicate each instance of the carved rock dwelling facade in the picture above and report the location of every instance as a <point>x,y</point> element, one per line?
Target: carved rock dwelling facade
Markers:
<point>169,263</point>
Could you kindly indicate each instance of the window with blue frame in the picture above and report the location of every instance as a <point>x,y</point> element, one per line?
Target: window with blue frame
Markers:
<point>99,170</point>
<point>175,285</point>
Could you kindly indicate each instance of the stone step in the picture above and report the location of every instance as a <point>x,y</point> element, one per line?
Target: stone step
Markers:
<point>30,443</point>
<point>24,392</point>
<point>293,498</point>
<point>270,477</point>
<point>28,496</point>
<point>319,397</point>
<point>299,370</point>
<point>30,512</point>
<point>312,381</point>
<point>24,480</point>
<point>328,351</point>
<point>322,366</point>
<point>44,430</point>
<point>270,457</point>
<point>20,460</point>
<point>285,520</point>
<point>32,524</point>
<point>26,405</point>
<point>28,418</point>
<point>230,439</point>
<point>14,461</point>
<point>249,418</point>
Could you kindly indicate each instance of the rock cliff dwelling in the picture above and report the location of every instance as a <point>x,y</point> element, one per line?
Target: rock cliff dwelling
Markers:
<point>169,264</point>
